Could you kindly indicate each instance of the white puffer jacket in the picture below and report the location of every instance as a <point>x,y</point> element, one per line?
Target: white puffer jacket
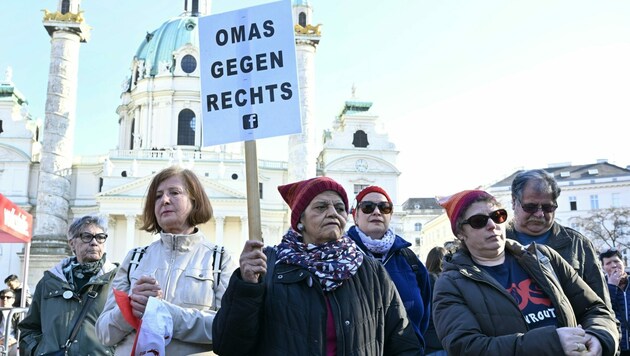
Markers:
<point>182,264</point>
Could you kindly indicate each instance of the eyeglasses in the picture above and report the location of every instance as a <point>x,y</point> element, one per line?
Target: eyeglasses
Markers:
<point>532,208</point>
<point>480,221</point>
<point>367,207</point>
<point>87,237</point>
<point>6,297</point>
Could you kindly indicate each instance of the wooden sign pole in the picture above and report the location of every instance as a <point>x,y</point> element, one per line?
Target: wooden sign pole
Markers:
<point>253,195</point>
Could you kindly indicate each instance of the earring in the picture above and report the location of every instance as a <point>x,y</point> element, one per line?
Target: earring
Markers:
<point>300,227</point>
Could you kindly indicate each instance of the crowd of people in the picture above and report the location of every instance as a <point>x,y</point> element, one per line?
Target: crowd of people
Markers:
<point>524,285</point>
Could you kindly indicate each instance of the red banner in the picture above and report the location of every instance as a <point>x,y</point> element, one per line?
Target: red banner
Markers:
<point>16,225</point>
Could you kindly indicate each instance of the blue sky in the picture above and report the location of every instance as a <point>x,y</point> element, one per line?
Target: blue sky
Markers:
<point>469,91</point>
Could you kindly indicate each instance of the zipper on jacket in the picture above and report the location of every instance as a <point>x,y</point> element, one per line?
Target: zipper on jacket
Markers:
<point>340,338</point>
<point>555,298</point>
<point>170,266</point>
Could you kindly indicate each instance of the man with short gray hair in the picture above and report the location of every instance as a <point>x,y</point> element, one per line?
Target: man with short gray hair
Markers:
<point>534,200</point>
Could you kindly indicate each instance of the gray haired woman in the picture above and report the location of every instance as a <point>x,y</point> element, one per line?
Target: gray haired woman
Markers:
<point>63,291</point>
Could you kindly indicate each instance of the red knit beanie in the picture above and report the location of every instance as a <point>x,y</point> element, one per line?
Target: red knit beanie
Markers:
<point>299,194</point>
<point>456,204</point>
<point>366,191</point>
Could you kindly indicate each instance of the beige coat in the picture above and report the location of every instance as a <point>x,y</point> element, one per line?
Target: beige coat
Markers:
<point>182,264</point>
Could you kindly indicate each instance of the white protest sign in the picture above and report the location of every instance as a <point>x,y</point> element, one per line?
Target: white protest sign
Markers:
<point>249,87</point>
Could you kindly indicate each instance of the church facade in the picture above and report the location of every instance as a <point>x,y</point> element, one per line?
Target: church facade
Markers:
<point>159,125</point>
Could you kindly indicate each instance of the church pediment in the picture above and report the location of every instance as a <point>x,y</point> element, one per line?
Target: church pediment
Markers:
<point>139,187</point>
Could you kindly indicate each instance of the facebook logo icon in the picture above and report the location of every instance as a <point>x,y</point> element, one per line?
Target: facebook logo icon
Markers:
<point>250,121</point>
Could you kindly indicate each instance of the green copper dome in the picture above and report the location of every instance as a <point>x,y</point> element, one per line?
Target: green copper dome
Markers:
<point>159,45</point>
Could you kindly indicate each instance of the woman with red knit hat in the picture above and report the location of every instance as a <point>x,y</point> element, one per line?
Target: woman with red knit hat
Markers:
<point>372,216</point>
<point>497,297</point>
<point>315,293</point>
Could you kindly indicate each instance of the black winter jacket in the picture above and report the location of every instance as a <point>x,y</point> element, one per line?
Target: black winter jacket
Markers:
<point>474,314</point>
<point>286,315</point>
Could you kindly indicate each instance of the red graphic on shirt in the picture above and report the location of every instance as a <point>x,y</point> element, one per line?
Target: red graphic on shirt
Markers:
<point>527,292</point>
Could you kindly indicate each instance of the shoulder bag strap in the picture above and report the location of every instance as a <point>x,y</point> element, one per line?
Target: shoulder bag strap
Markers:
<point>216,263</point>
<point>413,262</point>
<point>91,297</point>
<point>136,256</point>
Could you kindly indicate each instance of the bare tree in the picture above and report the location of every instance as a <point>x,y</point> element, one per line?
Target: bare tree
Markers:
<point>606,227</point>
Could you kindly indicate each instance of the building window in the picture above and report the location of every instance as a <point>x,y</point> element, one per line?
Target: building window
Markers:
<point>260,190</point>
<point>302,19</point>
<point>65,6</point>
<point>189,64</point>
<point>186,128</point>
<point>573,203</point>
<point>418,227</point>
<point>418,241</point>
<point>360,139</point>
<point>616,200</point>
<point>594,202</point>
<point>133,125</point>
<point>359,187</point>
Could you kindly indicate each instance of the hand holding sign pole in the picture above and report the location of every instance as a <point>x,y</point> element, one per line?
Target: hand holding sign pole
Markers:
<point>249,87</point>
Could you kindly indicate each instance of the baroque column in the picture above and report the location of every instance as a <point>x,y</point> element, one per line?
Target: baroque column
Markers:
<point>218,229</point>
<point>130,233</point>
<point>302,150</point>
<point>67,30</point>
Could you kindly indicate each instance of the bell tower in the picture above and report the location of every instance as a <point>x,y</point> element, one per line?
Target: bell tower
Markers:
<point>67,29</point>
<point>302,150</point>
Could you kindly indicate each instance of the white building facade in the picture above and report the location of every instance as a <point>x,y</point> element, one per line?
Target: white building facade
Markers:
<point>584,189</point>
<point>159,124</point>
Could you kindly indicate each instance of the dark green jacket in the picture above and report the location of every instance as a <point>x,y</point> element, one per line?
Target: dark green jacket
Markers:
<point>475,315</point>
<point>55,315</point>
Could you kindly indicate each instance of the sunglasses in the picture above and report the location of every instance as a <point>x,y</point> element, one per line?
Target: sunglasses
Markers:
<point>6,297</point>
<point>532,208</point>
<point>480,221</point>
<point>367,207</point>
<point>87,237</point>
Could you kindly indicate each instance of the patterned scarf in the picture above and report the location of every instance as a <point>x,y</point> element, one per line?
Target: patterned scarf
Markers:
<point>379,247</point>
<point>79,274</point>
<point>332,263</point>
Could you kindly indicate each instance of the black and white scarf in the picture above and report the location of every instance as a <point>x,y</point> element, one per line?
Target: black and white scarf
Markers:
<point>332,262</point>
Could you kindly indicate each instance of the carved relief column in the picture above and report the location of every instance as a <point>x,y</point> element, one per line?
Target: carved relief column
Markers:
<point>302,147</point>
<point>218,230</point>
